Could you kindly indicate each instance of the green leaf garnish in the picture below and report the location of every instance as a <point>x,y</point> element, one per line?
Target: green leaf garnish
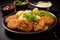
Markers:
<point>20,2</point>
<point>44,13</point>
<point>30,16</point>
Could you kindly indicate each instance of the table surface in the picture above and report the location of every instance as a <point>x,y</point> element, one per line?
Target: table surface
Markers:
<point>5,35</point>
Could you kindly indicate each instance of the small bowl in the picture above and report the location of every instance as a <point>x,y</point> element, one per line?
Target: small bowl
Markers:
<point>19,7</point>
<point>34,4</point>
<point>7,9</point>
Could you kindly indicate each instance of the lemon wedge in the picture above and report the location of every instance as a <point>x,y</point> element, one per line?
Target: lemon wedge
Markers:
<point>19,13</point>
<point>35,10</point>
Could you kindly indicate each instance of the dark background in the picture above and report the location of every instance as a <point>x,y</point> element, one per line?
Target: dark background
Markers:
<point>56,3</point>
<point>3,34</point>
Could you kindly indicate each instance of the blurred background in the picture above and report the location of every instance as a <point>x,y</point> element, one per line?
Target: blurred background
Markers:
<point>55,7</point>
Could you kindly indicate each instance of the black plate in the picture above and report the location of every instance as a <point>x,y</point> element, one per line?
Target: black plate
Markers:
<point>4,25</point>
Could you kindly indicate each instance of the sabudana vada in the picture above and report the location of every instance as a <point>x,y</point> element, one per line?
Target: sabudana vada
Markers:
<point>10,18</point>
<point>39,25</point>
<point>25,25</point>
<point>12,24</point>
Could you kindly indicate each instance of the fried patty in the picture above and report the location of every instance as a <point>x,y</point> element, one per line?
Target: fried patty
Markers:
<point>10,18</point>
<point>25,25</point>
<point>12,24</point>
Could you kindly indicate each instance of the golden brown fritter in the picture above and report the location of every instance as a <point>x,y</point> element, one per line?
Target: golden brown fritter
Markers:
<point>25,25</point>
<point>10,18</point>
<point>48,20</point>
<point>12,24</point>
<point>39,25</point>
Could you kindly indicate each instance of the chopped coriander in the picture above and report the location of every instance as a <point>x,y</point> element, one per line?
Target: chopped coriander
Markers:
<point>20,2</point>
<point>31,16</point>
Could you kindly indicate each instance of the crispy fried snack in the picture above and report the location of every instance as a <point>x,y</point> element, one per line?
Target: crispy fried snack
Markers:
<point>39,25</point>
<point>25,25</point>
<point>12,24</point>
<point>10,18</point>
<point>48,20</point>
